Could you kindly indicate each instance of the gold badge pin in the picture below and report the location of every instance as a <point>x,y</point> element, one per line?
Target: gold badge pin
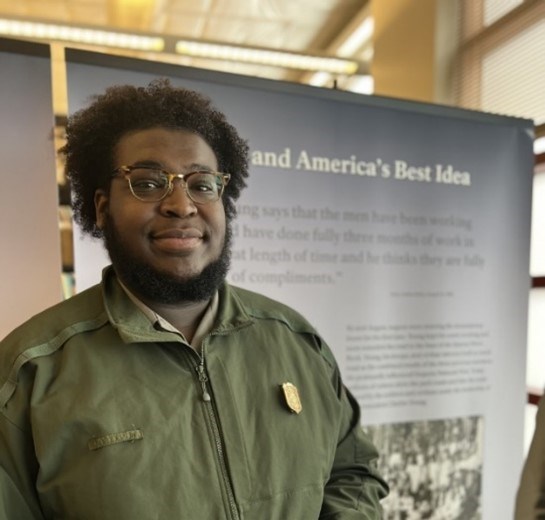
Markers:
<point>291,395</point>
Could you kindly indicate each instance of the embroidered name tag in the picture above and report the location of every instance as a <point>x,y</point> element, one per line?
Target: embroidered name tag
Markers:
<point>115,438</point>
<point>291,395</point>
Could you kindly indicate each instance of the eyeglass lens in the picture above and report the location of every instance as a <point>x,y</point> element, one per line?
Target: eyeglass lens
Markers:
<point>153,185</point>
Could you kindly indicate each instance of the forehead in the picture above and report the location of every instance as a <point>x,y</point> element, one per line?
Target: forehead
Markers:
<point>169,147</point>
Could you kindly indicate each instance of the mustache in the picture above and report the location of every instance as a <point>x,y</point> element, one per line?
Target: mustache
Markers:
<point>148,283</point>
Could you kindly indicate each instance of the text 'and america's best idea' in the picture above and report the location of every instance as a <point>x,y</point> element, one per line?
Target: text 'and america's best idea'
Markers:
<point>400,170</point>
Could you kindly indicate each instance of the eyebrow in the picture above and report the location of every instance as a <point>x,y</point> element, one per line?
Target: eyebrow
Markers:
<point>191,168</point>
<point>153,164</point>
<point>199,167</point>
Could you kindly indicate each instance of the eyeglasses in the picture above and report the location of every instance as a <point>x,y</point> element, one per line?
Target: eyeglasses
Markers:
<point>152,184</point>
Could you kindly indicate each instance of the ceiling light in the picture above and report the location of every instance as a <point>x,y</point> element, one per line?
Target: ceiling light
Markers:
<point>361,84</point>
<point>42,31</point>
<point>319,79</point>
<point>362,35</point>
<point>266,57</point>
<point>539,145</point>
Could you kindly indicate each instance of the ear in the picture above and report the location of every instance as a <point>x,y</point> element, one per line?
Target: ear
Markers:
<point>101,208</point>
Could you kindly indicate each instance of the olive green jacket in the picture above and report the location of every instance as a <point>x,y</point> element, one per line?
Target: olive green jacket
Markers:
<point>103,417</point>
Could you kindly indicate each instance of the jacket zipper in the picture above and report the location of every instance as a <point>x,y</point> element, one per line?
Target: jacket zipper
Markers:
<point>203,379</point>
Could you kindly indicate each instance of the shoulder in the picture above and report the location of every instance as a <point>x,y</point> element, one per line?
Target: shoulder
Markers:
<point>261,307</point>
<point>244,306</point>
<point>79,308</point>
<point>47,331</point>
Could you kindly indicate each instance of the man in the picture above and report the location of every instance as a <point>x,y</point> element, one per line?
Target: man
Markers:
<point>164,392</point>
<point>530,501</point>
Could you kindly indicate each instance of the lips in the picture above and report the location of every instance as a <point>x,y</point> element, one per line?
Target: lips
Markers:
<point>177,233</point>
<point>177,240</point>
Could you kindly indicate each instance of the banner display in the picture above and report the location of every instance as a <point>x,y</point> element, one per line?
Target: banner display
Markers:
<point>401,231</point>
<point>31,253</point>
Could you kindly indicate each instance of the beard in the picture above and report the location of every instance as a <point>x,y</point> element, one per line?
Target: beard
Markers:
<point>157,286</point>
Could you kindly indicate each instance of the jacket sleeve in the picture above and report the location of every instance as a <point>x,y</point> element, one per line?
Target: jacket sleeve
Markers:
<point>17,492</point>
<point>18,464</point>
<point>530,501</point>
<point>354,489</point>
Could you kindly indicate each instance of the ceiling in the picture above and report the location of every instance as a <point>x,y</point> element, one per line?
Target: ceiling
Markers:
<point>316,27</point>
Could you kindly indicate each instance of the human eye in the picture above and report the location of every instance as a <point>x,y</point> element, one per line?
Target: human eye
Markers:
<point>148,180</point>
<point>203,182</point>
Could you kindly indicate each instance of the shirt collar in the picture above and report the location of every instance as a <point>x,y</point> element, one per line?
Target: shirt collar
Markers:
<point>160,323</point>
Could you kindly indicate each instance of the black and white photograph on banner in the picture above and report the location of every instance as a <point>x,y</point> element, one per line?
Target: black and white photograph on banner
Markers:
<point>434,468</point>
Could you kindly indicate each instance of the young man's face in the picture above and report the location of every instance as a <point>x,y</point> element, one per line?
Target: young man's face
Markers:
<point>173,250</point>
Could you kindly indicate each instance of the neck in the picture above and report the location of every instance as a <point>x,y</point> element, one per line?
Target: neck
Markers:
<point>185,317</point>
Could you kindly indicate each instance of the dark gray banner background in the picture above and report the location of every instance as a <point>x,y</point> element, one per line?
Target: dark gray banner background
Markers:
<point>420,287</point>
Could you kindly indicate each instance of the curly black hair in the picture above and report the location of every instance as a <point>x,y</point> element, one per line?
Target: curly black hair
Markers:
<point>93,132</point>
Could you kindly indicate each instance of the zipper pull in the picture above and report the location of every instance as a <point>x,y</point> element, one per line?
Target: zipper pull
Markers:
<point>203,378</point>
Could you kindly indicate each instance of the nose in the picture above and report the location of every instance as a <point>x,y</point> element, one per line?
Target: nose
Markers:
<point>177,203</point>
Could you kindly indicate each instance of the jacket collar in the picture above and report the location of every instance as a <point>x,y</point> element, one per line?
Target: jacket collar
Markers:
<point>134,326</point>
